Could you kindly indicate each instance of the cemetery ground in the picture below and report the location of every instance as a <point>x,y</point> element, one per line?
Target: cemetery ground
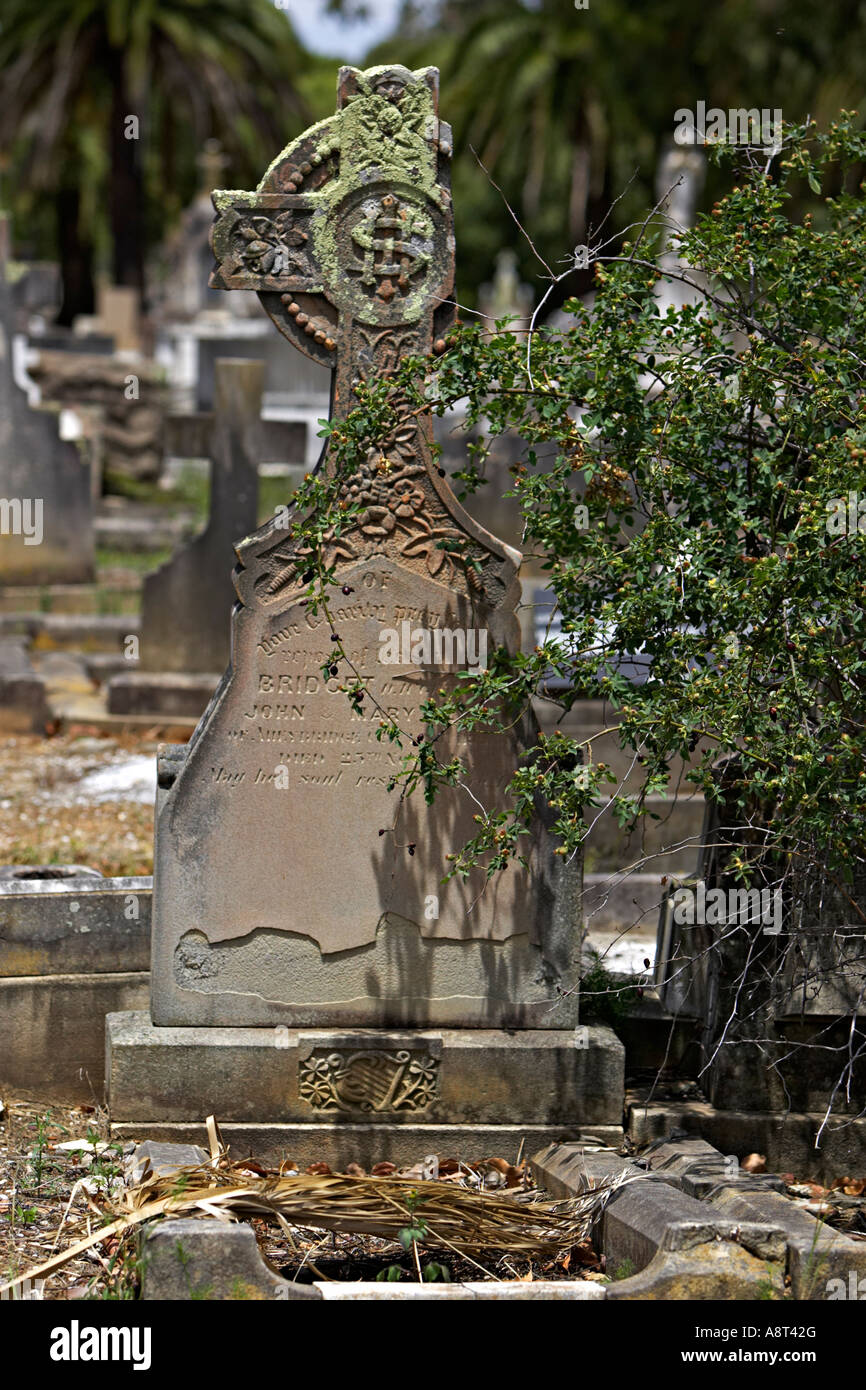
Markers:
<point>62,1180</point>
<point>59,1167</point>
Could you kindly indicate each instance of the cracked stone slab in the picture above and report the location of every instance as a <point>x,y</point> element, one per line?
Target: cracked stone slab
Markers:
<point>674,1245</point>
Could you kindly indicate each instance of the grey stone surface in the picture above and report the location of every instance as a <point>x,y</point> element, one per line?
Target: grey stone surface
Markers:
<point>293,884</point>
<point>401,978</point>
<point>817,1254</point>
<point>67,926</point>
<point>204,1260</point>
<point>124,432</point>
<point>39,469</point>
<point>186,603</point>
<point>697,1168</point>
<point>161,1160</point>
<point>83,632</point>
<point>659,1243</point>
<point>566,1169</point>
<point>191,435</point>
<point>453,1077</point>
<point>138,529</point>
<point>196,1259</point>
<point>340,1143</point>
<point>52,1030</point>
<point>714,1271</point>
<point>165,693</point>
<point>540,1291</point>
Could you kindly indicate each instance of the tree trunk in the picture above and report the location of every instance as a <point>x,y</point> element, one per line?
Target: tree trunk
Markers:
<point>76,257</point>
<point>126,193</point>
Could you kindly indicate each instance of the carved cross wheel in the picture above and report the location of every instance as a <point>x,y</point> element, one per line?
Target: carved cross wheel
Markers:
<point>348,242</point>
<point>351,228</point>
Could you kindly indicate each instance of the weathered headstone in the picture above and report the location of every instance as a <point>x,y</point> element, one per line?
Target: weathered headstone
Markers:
<point>186,603</point>
<point>292,886</point>
<point>46,526</point>
<point>186,258</point>
<point>349,243</point>
<point>506,297</point>
<point>679,180</point>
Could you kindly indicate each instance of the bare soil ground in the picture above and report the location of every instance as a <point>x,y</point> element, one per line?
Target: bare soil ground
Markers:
<point>45,819</point>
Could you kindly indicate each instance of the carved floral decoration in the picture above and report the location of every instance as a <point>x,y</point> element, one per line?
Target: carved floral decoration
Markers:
<point>371,1081</point>
<point>272,245</point>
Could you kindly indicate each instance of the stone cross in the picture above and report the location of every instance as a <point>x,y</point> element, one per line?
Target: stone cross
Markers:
<point>349,243</point>
<point>293,883</point>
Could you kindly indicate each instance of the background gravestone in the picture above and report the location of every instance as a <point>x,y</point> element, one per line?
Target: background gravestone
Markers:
<point>35,463</point>
<point>186,603</point>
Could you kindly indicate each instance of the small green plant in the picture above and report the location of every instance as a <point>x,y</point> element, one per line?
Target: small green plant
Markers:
<point>392,1274</point>
<point>198,1295</point>
<point>417,1230</point>
<point>24,1216</point>
<point>122,1282</point>
<point>37,1153</point>
<point>624,1270</point>
<point>603,996</point>
<point>768,1289</point>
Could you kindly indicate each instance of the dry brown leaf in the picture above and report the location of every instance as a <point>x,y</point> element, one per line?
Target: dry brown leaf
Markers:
<point>852,1187</point>
<point>754,1163</point>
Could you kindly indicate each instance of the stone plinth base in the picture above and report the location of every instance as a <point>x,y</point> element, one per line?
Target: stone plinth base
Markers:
<point>341,1144</point>
<point>364,1095</point>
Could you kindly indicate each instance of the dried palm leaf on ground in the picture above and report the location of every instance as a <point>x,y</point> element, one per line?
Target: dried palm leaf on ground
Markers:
<point>456,1218</point>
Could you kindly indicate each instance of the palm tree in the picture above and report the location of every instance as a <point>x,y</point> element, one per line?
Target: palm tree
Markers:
<point>536,89</point>
<point>566,105</point>
<point>98,95</point>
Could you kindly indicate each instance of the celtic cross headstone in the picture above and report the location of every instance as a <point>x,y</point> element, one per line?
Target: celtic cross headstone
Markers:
<point>293,885</point>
